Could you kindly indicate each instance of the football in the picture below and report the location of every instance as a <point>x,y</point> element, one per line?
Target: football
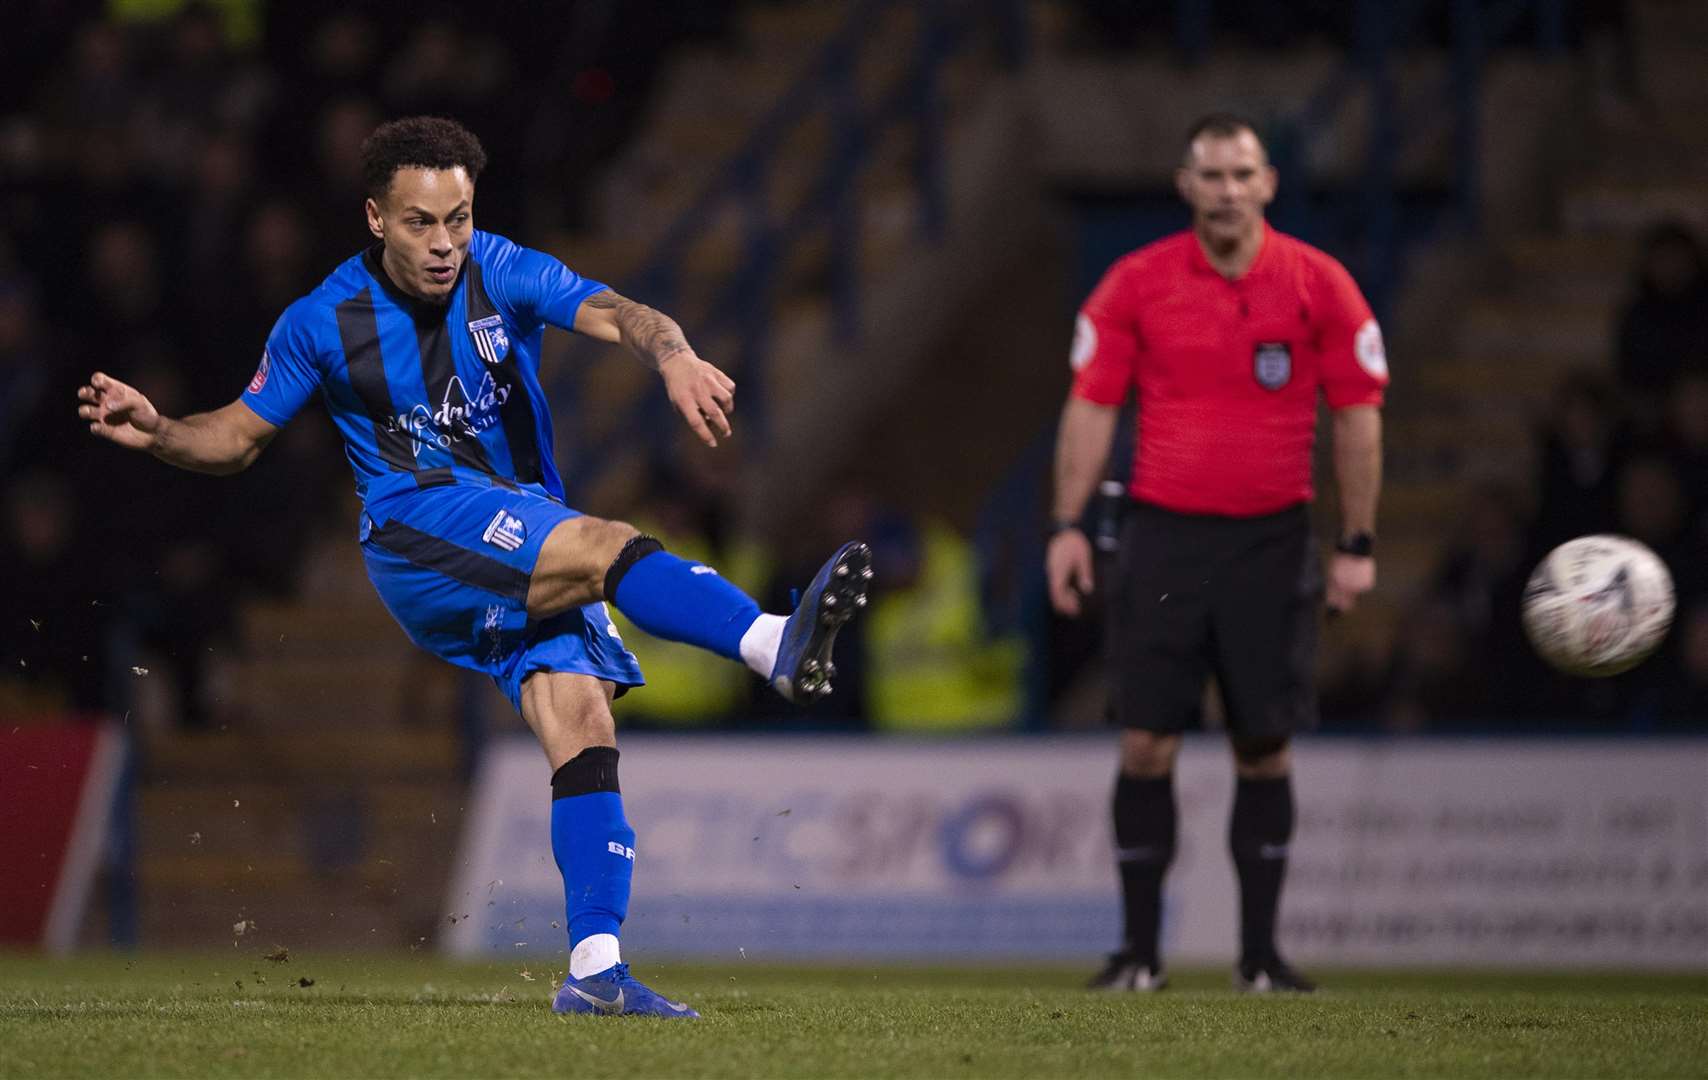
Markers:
<point>1598,605</point>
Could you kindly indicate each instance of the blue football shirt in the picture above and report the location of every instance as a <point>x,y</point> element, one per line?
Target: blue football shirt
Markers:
<point>427,394</point>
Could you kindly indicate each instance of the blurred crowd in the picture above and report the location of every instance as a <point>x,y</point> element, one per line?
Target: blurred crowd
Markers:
<point>1123,25</point>
<point>1622,449</point>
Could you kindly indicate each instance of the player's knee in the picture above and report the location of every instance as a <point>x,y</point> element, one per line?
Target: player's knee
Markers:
<point>574,564</point>
<point>568,713</point>
<point>1148,754</point>
<point>1261,756</point>
<point>601,541</point>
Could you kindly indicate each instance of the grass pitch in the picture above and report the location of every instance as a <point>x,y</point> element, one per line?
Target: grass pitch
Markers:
<point>239,1013</point>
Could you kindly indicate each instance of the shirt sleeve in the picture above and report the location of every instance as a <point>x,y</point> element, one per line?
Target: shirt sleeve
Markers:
<point>540,288</point>
<point>1354,360</point>
<point>1106,343</point>
<point>289,372</point>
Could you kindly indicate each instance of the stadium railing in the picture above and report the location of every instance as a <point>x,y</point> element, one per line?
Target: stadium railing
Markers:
<point>825,90</point>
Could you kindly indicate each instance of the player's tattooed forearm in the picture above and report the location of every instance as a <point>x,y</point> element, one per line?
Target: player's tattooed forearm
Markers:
<point>653,335</point>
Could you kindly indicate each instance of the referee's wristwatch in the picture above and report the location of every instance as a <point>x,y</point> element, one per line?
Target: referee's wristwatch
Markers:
<point>1060,526</point>
<point>1361,544</point>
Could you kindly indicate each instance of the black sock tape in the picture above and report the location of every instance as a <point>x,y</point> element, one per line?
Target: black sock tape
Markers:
<point>594,769</point>
<point>638,548</point>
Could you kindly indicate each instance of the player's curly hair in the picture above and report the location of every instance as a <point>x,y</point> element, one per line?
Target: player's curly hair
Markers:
<point>425,142</point>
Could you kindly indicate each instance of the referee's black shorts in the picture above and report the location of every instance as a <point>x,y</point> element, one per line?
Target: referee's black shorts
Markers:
<point>1196,595</point>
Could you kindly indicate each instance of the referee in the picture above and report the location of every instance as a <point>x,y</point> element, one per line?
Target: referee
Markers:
<point>1227,333</point>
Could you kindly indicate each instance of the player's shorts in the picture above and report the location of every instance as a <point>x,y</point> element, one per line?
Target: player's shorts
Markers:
<point>1196,595</point>
<point>453,564</point>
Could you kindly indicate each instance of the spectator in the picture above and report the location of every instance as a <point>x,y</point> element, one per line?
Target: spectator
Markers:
<point>178,588</point>
<point>1686,702</point>
<point>273,256</point>
<point>97,86</point>
<point>24,367</point>
<point>338,61</point>
<point>220,189</point>
<point>1652,507</point>
<point>125,287</point>
<point>1578,459</point>
<point>52,637</point>
<point>1663,330</point>
<point>337,190</point>
<point>1687,447</point>
<point>1430,682</point>
<point>202,86</point>
<point>1477,588</point>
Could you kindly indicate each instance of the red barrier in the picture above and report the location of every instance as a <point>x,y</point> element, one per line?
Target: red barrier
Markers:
<point>56,793</point>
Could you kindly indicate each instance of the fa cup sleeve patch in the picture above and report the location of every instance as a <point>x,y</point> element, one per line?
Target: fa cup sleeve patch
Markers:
<point>1084,343</point>
<point>260,378</point>
<point>1367,347</point>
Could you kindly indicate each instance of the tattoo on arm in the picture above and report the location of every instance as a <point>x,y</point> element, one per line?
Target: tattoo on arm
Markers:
<point>651,335</point>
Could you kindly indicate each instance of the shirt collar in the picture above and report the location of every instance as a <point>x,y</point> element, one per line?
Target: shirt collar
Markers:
<point>1200,262</point>
<point>373,264</point>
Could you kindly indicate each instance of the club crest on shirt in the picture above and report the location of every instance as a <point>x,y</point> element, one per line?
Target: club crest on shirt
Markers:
<point>505,531</point>
<point>1272,364</point>
<point>260,378</point>
<point>490,340</point>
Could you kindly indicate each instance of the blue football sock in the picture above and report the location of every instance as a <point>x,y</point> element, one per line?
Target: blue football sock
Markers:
<point>678,600</point>
<point>592,843</point>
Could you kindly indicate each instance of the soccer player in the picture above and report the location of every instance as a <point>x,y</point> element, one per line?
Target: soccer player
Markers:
<point>1227,332</point>
<point>426,348</point>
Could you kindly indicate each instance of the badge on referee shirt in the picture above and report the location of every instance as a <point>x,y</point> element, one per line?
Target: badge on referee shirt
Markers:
<point>1272,364</point>
<point>490,340</point>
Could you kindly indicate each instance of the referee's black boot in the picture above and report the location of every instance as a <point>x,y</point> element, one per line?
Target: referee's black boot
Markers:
<point>1124,971</point>
<point>1270,976</point>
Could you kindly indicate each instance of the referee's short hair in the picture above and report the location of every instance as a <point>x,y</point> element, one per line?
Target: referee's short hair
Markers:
<point>1222,125</point>
<point>419,142</point>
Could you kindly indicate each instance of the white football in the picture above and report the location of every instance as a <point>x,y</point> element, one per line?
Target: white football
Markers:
<point>1598,605</point>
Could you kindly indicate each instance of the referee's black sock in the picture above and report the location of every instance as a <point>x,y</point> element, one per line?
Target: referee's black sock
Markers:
<point>1258,834</point>
<point>1144,846</point>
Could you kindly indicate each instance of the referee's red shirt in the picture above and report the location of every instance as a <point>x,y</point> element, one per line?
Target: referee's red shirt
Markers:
<point>1227,372</point>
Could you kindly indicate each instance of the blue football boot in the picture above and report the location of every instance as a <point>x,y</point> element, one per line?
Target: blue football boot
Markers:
<point>803,669</point>
<point>614,992</point>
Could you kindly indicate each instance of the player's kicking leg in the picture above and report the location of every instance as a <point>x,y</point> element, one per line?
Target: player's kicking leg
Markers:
<point>587,559</point>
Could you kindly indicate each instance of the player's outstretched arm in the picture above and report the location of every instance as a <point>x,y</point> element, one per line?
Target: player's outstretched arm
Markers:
<point>221,442</point>
<point>703,395</point>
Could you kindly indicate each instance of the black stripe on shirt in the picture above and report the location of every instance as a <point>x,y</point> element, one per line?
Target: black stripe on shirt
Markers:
<point>359,333</point>
<point>517,414</point>
<point>457,563</point>
<point>437,371</point>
